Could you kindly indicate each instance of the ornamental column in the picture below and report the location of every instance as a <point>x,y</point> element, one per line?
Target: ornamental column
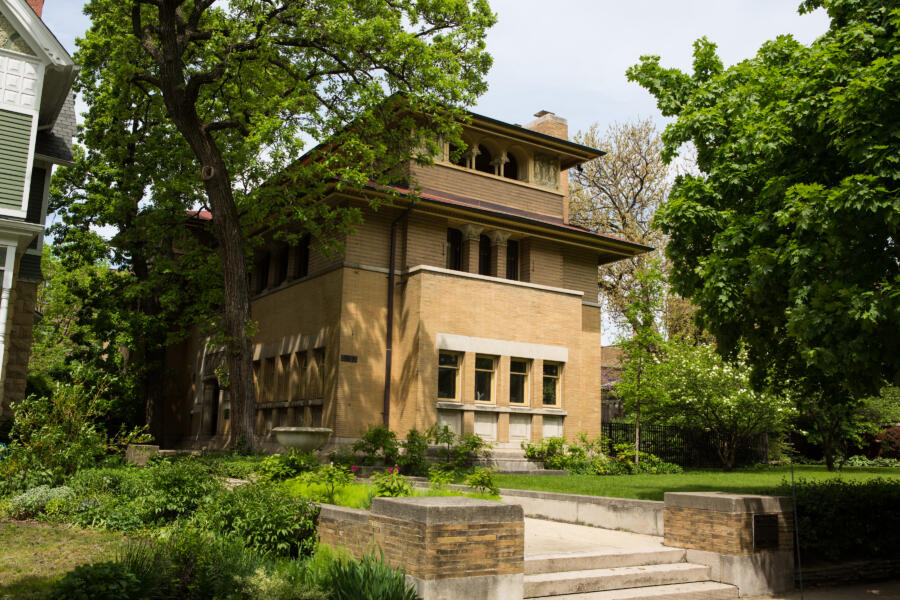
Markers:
<point>498,252</point>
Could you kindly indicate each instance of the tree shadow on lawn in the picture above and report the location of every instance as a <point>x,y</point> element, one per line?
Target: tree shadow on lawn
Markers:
<point>29,587</point>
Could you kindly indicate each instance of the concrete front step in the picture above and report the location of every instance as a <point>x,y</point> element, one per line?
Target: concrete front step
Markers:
<point>598,580</point>
<point>701,590</point>
<point>610,559</point>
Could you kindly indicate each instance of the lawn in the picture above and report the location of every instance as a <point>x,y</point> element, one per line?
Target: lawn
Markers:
<point>34,555</point>
<point>652,487</point>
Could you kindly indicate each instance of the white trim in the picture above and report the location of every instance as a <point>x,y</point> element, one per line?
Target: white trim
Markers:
<point>464,274</point>
<point>463,343</point>
<point>36,32</point>
<point>592,304</point>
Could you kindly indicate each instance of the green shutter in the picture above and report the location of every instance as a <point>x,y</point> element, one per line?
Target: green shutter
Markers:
<point>15,139</point>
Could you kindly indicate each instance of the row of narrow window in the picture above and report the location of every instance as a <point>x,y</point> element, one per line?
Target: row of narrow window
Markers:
<point>279,260</point>
<point>455,255</point>
<point>290,377</point>
<point>449,364</point>
<point>484,161</point>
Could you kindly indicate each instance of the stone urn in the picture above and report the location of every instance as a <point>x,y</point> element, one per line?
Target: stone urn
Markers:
<point>307,439</point>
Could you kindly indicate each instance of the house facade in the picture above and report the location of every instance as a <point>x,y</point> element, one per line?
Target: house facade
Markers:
<point>37,123</point>
<point>472,303</point>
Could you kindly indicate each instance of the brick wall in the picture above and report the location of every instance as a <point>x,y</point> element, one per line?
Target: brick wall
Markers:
<point>725,533</point>
<point>474,542</point>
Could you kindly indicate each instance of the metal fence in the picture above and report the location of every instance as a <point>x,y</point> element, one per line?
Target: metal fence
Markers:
<point>685,447</point>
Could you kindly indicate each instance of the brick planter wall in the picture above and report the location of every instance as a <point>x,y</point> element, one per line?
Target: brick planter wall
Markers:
<point>450,547</point>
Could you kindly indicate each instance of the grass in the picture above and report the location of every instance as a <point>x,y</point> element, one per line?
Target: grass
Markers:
<point>652,487</point>
<point>34,555</point>
<point>359,495</point>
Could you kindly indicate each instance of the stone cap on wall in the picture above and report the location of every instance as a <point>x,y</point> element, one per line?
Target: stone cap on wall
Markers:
<point>446,510</point>
<point>332,511</point>
<point>727,503</point>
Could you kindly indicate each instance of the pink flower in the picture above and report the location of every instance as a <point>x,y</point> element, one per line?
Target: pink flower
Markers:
<point>353,468</point>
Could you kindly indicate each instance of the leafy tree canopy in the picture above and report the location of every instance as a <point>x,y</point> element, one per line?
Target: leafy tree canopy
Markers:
<point>787,240</point>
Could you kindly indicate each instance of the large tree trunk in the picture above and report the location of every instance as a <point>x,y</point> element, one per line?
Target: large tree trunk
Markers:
<point>181,106</point>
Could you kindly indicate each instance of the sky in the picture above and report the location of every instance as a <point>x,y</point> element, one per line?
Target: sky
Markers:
<point>570,56</point>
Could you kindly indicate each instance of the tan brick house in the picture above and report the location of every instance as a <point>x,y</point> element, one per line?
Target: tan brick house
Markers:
<point>495,322</point>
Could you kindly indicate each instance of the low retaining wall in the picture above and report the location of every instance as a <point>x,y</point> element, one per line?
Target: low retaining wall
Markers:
<point>636,516</point>
<point>450,547</point>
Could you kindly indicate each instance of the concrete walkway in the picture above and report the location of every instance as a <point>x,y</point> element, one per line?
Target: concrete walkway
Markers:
<point>549,537</point>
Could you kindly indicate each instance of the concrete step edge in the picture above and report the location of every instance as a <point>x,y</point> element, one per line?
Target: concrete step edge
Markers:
<point>607,559</point>
<point>701,590</point>
<point>597,580</point>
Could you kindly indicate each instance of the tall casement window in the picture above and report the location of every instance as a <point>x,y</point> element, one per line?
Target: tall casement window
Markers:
<point>454,249</point>
<point>484,255</point>
<point>484,378</point>
<point>484,160</point>
<point>512,260</point>
<point>518,381</point>
<point>301,258</point>
<point>281,264</point>
<point>262,272</point>
<point>448,376</point>
<point>551,384</point>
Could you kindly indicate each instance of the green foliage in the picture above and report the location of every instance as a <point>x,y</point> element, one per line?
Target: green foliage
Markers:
<point>378,445</point>
<point>862,461</point>
<point>343,456</point>
<point>413,460</point>
<point>265,518</point>
<point>332,478</point>
<point>391,484</point>
<point>279,467</point>
<point>595,457</point>
<point>176,489</point>
<point>52,437</point>
<point>33,502</point>
<point>786,237</point>
<point>847,520</point>
<point>98,581</point>
<point>369,579</point>
<point>469,447</point>
<point>439,478</point>
<point>482,479</point>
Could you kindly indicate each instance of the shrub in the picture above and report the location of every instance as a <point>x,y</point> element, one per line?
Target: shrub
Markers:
<point>440,478</point>
<point>862,461</point>
<point>332,478</point>
<point>413,461</point>
<point>343,456</point>
<point>176,489</point>
<point>550,451</point>
<point>264,518</point>
<point>279,467</point>
<point>391,484</point>
<point>98,581</point>
<point>378,444</point>
<point>847,520</point>
<point>33,502</point>
<point>369,579</point>
<point>468,448</point>
<point>483,480</point>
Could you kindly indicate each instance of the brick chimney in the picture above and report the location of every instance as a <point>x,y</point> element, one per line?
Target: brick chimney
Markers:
<point>37,6</point>
<point>549,123</point>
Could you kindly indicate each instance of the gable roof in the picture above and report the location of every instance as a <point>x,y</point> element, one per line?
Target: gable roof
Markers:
<point>60,68</point>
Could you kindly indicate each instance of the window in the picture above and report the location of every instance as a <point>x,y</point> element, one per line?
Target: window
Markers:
<point>454,249</point>
<point>483,161</point>
<point>448,375</point>
<point>484,255</point>
<point>551,384</point>
<point>511,168</point>
<point>319,382</point>
<point>484,379</point>
<point>512,260</point>
<point>301,258</point>
<point>281,264</point>
<point>462,158</point>
<point>518,381</point>
<point>262,273</point>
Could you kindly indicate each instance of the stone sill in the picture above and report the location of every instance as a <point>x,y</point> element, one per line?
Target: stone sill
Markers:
<point>295,404</point>
<point>500,409</point>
